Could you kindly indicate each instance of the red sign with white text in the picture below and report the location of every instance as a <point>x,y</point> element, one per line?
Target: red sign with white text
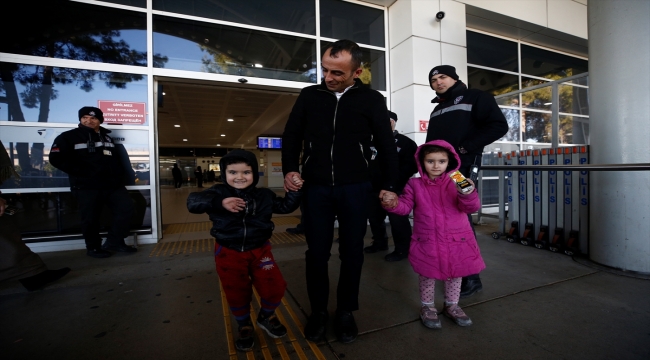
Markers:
<point>123,112</point>
<point>424,125</point>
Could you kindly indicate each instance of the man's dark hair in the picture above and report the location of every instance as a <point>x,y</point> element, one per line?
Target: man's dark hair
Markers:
<point>229,160</point>
<point>349,46</point>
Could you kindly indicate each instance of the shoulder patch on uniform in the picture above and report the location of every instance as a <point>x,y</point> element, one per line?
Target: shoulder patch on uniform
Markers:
<point>458,99</point>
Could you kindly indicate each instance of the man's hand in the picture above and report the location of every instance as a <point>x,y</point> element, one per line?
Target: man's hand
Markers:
<point>233,204</point>
<point>293,181</point>
<point>3,206</point>
<point>388,199</point>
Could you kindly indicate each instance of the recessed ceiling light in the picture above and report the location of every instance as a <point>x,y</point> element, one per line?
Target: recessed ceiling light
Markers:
<point>164,93</point>
<point>218,144</point>
<point>223,134</point>
<point>258,65</point>
<point>231,119</point>
<point>177,126</point>
<point>184,139</point>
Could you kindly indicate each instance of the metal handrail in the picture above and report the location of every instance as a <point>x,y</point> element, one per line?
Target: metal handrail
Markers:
<point>550,83</point>
<point>584,167</point>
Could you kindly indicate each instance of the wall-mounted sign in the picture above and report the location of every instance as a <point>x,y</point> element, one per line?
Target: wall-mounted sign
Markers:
<point>123,112</point>
<point>424,125</point>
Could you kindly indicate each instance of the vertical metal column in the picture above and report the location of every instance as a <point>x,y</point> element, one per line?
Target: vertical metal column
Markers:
<point>552,193</point>
<point>521,160</point>
<point>559,156</point>
<point>584,202</point>
<point>567,193</point>
<point>502,195</point>
<point>537,194</point>
<point>513,189</point>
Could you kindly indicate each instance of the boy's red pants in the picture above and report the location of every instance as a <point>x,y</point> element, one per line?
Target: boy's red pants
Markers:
<point>238,271</point>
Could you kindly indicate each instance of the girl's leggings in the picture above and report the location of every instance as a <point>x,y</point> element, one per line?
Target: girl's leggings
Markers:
<point>427,287</point>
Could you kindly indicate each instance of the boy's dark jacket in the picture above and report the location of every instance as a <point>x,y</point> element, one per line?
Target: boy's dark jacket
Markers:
<point>252,227</point>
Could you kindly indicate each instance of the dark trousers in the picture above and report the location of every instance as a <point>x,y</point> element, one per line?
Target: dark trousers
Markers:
<point>465,170</point>
<point>91,204</point>
<point>17,260</point>
<point>400,226</point>
<point>239,271</point>
<point>178,183</point>
<point>348,203</point>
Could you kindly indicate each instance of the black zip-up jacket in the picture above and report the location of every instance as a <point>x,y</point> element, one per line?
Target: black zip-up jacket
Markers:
<point>92,160</point>
<point>248,229</point>
<point>335,136</point>
<point>406,149</point>
<point>466,118</point>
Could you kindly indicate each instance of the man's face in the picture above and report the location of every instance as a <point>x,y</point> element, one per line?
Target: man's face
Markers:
<point>338,71</point>
<point>392,124</point>
<point>90,121</point>
<point>441,83</point>
<point>239,176</point>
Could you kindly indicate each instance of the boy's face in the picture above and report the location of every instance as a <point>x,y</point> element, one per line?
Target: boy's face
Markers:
<point>435,164</point>
<point>239,176</point>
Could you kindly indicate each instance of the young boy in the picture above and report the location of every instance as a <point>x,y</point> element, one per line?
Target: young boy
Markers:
<point>241,216</point>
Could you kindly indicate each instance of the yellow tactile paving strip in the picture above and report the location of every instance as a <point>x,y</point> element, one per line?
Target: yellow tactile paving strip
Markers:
<point>206,225</point>
<point>288,347</point>
<point>207,245</point>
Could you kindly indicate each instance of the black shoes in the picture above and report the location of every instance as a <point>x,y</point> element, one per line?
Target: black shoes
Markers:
<point>245,342</point>
<point>470,287</point>
<point>98,253</point>
<point>39,280</point>
<point>374,248</point>
<point>316,326</point>
<point>271,325</point>
<point>296,231</point>
<point>345,327</point>
<point>119,248</point>
<point>396,256</point>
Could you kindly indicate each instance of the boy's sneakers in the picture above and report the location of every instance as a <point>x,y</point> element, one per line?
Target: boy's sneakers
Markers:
<point>430,318</point>
<point>245,341</point>
<point>271,325</point>
<point>457,314</point>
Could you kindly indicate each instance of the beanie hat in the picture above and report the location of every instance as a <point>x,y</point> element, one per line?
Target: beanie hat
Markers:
<point>392,115</point>
<point>444,69</point>
<point>92,111</point>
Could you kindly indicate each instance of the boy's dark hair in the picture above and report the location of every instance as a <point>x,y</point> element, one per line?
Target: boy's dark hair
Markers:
<point>229,160</point>
<point>349,46</point>
<point>430,149</point>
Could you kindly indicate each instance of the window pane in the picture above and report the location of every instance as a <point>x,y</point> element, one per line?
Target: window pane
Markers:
<point>289,15</point>
<point>492,52</point>
<point>574,99</point>
<point>344,20</point>
<point>494,82</point>
<point>373,63</point>
<point>537,128</point>
<point>136,3</point>
<point>76,31</point>
<point>52,94</point>
<point>528,82</point>
<point>537,99</point>
<point>220,49</point>
<point>574,130</point>
<point>29,148</point>
<point>548,64</point>
<point>513,118</point>
<point>510,100</point>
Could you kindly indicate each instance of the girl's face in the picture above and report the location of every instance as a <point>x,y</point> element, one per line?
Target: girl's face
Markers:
<point>435,164</point>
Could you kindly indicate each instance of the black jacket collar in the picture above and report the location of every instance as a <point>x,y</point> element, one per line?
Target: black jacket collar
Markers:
<point>357,83</point>
<point>458,88</point>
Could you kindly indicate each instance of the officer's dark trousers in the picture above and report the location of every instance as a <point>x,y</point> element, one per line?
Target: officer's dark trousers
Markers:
<point>400,226</point>
<point>321,204</point>
<point>91,203</point>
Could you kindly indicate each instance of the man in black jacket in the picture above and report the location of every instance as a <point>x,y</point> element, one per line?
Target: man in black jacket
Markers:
<point>400,226</point>
<point>468,119</point>
<point>333,125</point>
<point>97,177</point>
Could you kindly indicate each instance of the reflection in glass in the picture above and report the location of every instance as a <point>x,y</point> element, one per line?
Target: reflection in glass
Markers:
<point>345,20</point>
<point>537,99</point>
<point>220,49</point>
<point>57,213</point>
<point>548,64</point>
<point>528,82</point>
<point>76,31</point>
<point>510,100</point>
<point>537,127</point>
<point>29,148</point>
<point>493,82</point>
<point>290,15</point>
<point>574,99</point>
<point>373,63</point>
<point>514,121</point>
<point>492,52</point>
<point>574,130</point>
<point>136,3</point>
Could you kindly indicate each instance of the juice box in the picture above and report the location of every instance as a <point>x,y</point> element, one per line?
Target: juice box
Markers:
<point>465,186</point>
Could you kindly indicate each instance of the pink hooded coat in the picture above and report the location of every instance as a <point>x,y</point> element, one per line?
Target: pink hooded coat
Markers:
<point>443,245</point>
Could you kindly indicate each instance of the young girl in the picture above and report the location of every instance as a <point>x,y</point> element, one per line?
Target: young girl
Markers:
<point>443,246</point>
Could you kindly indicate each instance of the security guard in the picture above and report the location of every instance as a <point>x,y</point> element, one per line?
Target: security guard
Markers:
<point>97,178</point>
